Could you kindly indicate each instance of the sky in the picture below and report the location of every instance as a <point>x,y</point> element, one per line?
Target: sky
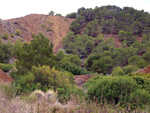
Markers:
<point>19,8</point>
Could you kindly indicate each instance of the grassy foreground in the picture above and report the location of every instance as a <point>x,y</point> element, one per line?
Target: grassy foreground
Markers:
<point>14,104</point>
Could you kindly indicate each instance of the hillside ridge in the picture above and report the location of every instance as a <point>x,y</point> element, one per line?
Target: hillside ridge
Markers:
<point>53,27</point>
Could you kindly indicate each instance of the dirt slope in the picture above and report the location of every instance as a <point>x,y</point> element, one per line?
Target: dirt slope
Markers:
<point>53,27</point>
<point>4,78</point>
<point>145,70</point>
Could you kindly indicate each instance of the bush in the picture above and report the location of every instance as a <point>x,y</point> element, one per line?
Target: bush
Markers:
<point>43,78</point>
<point>129,69</point>
<point>142,63</point>
<point>33,35</point>
<point>49,29</point>
<point>143,80</point>
<point>120,90</point>
<point>5,36</point>
<point>6,67</point>
<point>65,95</point>
<point>17,32</point>
<point>42,25</point>
<point>117,71</point>
<point>6,52</point>
<point>71,67</point>
<point>12,35</point>
<point>139,98</point>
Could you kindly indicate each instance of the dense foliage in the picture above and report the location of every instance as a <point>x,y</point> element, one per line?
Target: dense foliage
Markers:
<point>119,90</point>
<point>90,35</point>
<point>6,52</point>
<point>44,78</point>
<point>110,20</point>
<point>37,52</point>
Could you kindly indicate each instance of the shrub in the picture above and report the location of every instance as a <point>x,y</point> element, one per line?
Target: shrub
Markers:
<point>49,29</point>
<point>71,67</point>
<point>48,21</point>
<point>42,25</point>
<point>5,36</point>
<point>43,78</point>
<point>117,71</point>
<point>65,95</point>
<point>139,98</point>
<point>6,52</point>
<point>129,69</point>
<point>142,63</point>
<point>17,32</point>
<point>12,35</point>
<point>6,67</point>
<point>120,90</point>
<point>143,80</point>
<point>33,35</point>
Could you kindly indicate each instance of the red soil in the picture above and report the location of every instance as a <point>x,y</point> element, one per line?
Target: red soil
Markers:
<point>4,78</point>
<point>145,70</point>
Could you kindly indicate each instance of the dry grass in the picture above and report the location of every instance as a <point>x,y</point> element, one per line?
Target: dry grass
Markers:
<point>16,105</point>
<point>11,104</point>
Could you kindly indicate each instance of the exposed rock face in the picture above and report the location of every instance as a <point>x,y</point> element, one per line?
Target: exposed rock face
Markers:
<point>53,27</point>
<point>4,78</point>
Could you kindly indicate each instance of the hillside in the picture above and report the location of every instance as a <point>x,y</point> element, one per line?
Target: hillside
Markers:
<point>53,27</point>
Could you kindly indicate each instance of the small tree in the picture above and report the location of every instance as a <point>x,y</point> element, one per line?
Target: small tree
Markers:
<point>37,52</point>
<point>51,13</point>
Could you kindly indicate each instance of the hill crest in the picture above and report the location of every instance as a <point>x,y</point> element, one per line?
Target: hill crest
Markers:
<point>53,27</point>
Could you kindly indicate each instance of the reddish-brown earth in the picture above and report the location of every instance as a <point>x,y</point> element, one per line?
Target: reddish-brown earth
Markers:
<point>145,70</point>
<point>4,78</point>
<point>53,27</point>
<point>81,79</point>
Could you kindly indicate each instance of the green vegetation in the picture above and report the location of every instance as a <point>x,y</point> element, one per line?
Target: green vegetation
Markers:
<point>70,63</point>
<point>12,35</point>
<point>33,35</point>
<point>51,13</point>
<point>44,78</point>
<point>57,14</point>
<point>6,67</point>
<point>17,32</point>
<point>109,43</point>
<point>72,15</point>
<point>121,90</point>
<point>36,53</point>
<point>6,52</point>
<point>5,36</point>
<point>80,45</point>
<point>49,29</point>
<point>42,25</point>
